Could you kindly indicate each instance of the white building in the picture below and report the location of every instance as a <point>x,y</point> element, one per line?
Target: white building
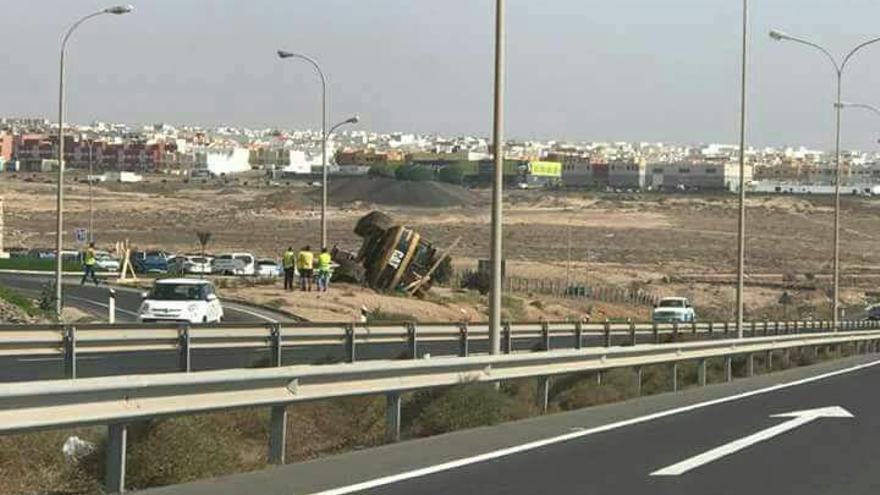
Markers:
<point>221,161</point>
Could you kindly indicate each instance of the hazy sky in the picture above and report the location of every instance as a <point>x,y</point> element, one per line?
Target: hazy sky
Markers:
<point>578,69</point>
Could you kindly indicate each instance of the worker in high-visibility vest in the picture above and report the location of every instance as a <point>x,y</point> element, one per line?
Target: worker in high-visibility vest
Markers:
<point>90,258</point>
<point>288,261</point>
<point>324,273</point>
<point>305,261</point>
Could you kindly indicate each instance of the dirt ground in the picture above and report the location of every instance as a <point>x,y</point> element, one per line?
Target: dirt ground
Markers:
<point>627,240</point>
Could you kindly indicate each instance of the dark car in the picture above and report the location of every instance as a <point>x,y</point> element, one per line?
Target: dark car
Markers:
<point>873,313</point>
<point>150,261</point>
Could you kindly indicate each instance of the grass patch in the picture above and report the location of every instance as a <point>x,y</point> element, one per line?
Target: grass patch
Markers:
<point>37,264</point>
<point>25,304</point>
<point>379,315</point>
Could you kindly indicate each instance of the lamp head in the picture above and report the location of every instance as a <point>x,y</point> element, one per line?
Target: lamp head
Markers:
<point>353,120</point>
<point>284,54</point>
<point>778,35</point>
<point>119,9</point>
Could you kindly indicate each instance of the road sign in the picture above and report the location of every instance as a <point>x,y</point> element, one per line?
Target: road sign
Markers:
<point>798,419</point>
<point>81,235</point>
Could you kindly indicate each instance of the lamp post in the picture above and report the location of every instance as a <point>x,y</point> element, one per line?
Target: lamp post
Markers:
<point>91,209</point>
<point>59,224</point>
<point>741,227</point>
<point>839,67</point>
<point>282,54</point>
<point>497,185</point>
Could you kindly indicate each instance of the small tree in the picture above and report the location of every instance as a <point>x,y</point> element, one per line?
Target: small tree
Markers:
<point>204,239</point>
<point>452,174</point>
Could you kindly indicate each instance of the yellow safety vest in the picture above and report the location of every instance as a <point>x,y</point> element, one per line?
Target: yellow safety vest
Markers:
<point>305,260</point>
<point>89,257</point>
<point>324,262</point>
<point>288,259</point>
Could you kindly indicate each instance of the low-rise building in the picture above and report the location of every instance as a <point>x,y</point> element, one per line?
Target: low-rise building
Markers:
<point>626,174</point>
<point>700,176</point>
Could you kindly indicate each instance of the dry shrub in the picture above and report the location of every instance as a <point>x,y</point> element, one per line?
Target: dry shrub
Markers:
<point>334,426</point>
<point>33,463</point>
<point>464,406</point>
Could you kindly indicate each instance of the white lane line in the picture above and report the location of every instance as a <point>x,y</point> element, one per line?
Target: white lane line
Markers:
<point>239,309</point>
<point>102,305</point>
<point>466,461</point>
<point>799,418</point>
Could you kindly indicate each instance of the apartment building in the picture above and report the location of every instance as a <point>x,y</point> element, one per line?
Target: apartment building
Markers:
<point>627,174</point>
<point>699,176</point>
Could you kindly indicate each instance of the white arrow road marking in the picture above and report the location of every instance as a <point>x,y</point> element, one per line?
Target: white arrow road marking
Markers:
<point>799,418</point>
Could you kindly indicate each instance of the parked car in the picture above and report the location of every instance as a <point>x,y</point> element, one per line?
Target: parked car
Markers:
<point>181,300</point>
<point>192,264</point>
<point>234,264</point>
<point>151,262</point>
<point>673,309</point>
<point>873,313</point>
<point>105,262</point>
<point>269,268</point>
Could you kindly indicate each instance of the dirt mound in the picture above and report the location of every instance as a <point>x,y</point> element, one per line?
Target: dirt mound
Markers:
<point>404,193</point>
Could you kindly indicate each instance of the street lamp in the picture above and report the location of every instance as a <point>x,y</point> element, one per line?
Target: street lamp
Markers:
<point>282,54</point>
<point>741,226</point>
<point>497,184</point>
<point>863,106</point>
<point>838,68</point>
<point>59,225</point>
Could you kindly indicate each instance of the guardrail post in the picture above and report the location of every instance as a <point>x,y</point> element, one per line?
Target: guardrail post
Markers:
<point>769,363</point>
<point>463,339</point>
<point>277,345</point>
<point>607,331</point>
<point>726,328</point>
<point>392,417</point>
<point>599,377</point>
<point>775,328</point>
<point>728,369</point>
<point>578,335</point>
<point>693,327</point>
<point>751,364</point>
<point>508,339</point>
<point>701,372</point>
<point>277,435</point>
<point>412,341</point>
<point>766,328</point>
<point>184,356</point>
<point>70,351</point>
<point>543,397</point>
<point>656,332</point>
<point>114,468</point>
<point>675,331</point>
<point>349,343</point>
<point>545,335</point>
<point>675,377</point>
<point>632,333</point>
<point>711,328</point>
<point>111,307</point>
<point>754,329</point>
<point>638,378</point>
<point>795,327</point>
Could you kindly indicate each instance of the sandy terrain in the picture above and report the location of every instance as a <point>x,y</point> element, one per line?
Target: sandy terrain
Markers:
<point>625,240</point>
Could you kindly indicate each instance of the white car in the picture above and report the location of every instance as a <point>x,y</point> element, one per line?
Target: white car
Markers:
<point>269,269</point>
<point>234,264</point>
<point>673,309</point>
<point>105,262</point>
<point>181,300</point>
<point>193,264</point>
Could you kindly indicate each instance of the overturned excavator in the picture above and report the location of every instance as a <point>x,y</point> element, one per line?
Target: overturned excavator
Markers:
<point>392,257</point>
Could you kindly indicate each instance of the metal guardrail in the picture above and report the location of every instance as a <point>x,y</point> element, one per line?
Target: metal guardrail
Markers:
<point>118,401</point>
<point>70,341</point>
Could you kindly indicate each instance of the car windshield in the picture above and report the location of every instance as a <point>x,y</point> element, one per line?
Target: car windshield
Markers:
<point>266,263</point>
<point>199,259</point>
<point>178,292</point>
<point>224,257</point>
<point>672,303</point>
<point>153,254</point>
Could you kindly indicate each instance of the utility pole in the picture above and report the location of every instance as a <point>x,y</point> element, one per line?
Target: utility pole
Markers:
<point>497,185</point>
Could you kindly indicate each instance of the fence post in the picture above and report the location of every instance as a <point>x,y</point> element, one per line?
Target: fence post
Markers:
<point>508,339</point>
<point>578,335</point>
<point>607,333</point>
<point>412,340</point>
<point>349,343</point>
<point>728,368</point>
<point>114,469</point>
<point>111,307</point>
<point>632,333</point>
<point>277,435</point>
<point>543,393</point>
<point>656,332</point>
<point>701,372</point>
<point>184,356</point>
<point>638,378</point>
<point>392,417</point>
<point>675,377</point>
<point>70,351</point>
<point>277,344</point>
<point>463,339</point>
<point>545,335</point>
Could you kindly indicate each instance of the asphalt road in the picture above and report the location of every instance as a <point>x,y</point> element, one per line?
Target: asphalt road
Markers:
<point>614,449</point>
